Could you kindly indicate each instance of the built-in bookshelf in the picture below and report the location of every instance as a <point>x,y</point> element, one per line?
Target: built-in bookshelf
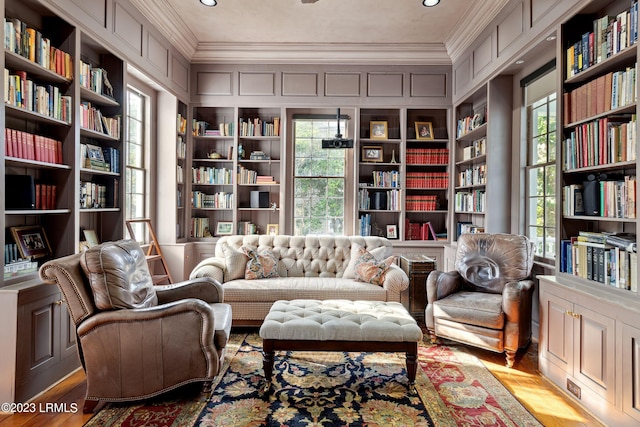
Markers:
<point>101,149</point>
<point>181,170</point>
<point>599,148</point>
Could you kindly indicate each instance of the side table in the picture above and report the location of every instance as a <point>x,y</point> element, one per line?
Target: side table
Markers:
<point>417,267</point>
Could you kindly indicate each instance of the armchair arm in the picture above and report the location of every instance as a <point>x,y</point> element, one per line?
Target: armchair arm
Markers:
<point>395,281</point>
<point>204,288</point>
<point>439,285</point>
<point>517,305</point>
<point>132,353</point>
<point>210,267</point>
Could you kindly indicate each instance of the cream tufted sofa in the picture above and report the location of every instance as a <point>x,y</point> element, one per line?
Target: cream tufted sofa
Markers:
<point>310,267</point>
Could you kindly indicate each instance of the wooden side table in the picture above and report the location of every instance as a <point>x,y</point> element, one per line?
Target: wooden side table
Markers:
<point>417,267</point>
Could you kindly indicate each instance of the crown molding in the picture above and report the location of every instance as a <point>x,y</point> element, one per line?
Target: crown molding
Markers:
<point>323,53</point>
<point>169,24</point>
<point>471,25</point>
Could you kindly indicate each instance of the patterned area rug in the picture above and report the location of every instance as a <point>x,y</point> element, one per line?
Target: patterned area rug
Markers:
<point>334,389</point>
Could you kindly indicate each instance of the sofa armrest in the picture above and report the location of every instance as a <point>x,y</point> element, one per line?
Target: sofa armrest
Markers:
<point>210,267</point>
<point>517,300</point>
<point>204,288</point>
<point>395,281</point>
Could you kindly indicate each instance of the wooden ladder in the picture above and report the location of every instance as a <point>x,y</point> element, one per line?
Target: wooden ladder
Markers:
<point>154,253</point>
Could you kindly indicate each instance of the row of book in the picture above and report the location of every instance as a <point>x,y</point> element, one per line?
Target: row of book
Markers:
<point>421,202</point>
<point>470,201</point>
<point>386,179</point>
<point>602,141</point>
<point>179,174</point>
<point>181,148</point>
<point>467,227</point>
<point>181,124</point>
<point>477,148</point>
<point>105,159</point>
<point>476,175</point>
<point>419,231</point>
<point>379,200</point>
<point>46,196</point>
<point>96,196</point>
<point>248,176</point>
<point>259,127</point>
<point>95,79</point>
<point>200,227</point>
<point>610,35</point>
<point>29,43</point>
<point>246,228</point>
<point>22,92</point>
<point>201,128</point>
<point>427,156</point>
<point>220,200</point>
<point>427,179</point>
<point>610,259</point>
<point>364,225</point>
<point>605,93</point>
<point>470,123</point>
<point>208,175</point>
<point>92,118</point>
<point>25,145</point>
<point>613,198</point>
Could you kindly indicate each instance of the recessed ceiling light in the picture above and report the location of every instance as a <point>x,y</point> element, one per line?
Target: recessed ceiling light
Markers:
<point>209,3</point>
<point>429,3</point>
<point>520,62</point>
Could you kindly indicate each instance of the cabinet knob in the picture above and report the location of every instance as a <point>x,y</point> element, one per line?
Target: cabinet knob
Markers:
<point>59,302</point>
<point>572,314</point>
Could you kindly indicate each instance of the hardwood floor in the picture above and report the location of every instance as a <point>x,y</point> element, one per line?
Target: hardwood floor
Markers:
<point>542,398</point>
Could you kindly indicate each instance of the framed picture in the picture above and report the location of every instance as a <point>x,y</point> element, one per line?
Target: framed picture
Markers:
<point>378,130</point>
<point>372,153</point>
<point>95,153</point>
<point>31,241</point>
<point>424,130</point>
<point>224,228</point>
<point>392,231</point>
<point>272,229</point>
<point>91,237</point>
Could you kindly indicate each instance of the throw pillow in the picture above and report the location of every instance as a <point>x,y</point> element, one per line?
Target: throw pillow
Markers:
<point>235,262</point>
<point>260,265</point>
<point>373,271</point>
<point>358,253</point>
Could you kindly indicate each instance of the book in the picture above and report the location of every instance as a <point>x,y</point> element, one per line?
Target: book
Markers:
<point>625,241</point>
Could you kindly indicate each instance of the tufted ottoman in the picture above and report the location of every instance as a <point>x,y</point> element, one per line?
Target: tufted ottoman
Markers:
<point>340,325</point>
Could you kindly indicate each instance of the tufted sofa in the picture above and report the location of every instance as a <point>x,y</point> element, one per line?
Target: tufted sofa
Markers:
<point>309,267</point>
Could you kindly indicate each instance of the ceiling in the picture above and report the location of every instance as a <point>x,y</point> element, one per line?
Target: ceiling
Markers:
<point>327,31</point>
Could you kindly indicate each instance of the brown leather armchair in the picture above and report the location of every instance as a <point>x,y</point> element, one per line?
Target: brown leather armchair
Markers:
<point>486,302</point>
<point>137,340</point>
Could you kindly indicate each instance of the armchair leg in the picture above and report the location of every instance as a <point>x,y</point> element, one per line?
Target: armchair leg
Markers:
<point>511,357</point>
<point>89,406</point>
<point>433,337</point>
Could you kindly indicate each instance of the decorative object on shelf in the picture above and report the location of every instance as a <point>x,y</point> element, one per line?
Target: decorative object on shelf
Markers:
<point>378,130</point>
<point>393,156</point>
<point>424,130</point>
<point>392,231</point>
<point>32,241</point>
<point>92,237</point>
<point>272,229</point>
<point>372,153</point>
<point>240,151</point>
<point>224,228</point>
<point>214,155</point>
<point>259,155</point>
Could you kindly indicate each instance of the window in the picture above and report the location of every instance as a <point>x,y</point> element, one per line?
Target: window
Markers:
<point>319,179</point>
<point>540,98</point>
<point>136,172</point>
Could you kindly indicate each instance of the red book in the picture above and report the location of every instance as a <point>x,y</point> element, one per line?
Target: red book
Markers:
<point>8,148</point>
<point>54,200</point>
<point>59,152</point>
<point>14,142</point>
<point>39,156</point>
<point>49,200</point>
<point>38,196</point>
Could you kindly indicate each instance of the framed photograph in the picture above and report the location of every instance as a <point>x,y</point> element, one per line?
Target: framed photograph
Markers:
<point>224,228</point>
<point>272,229</point>
<point>424,130</point>
<point>392,231</point>
<point>31,241</point>
<point>378,130</point>
<point>372,153</point>
<point>95,153</point>
<point>91,237</point>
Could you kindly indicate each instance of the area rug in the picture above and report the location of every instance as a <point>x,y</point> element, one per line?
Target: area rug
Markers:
<point>334,389</point>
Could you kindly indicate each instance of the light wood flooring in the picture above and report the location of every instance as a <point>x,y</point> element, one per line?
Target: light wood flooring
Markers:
<point>544,400</point>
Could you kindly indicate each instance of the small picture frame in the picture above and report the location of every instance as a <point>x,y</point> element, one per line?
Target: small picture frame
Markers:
<point>91,237</point>
<point>378,130</point>
<point>424,130</point>
<point>372,153</point>
<point>95,153</point>
<point>392,231</point>
<point>224,228</point>
<point>32,241</point>
<point>272,229</point>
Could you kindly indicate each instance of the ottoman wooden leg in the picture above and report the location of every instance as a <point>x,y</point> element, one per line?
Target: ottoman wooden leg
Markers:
<point>267,362</point>
<point>412,365</point>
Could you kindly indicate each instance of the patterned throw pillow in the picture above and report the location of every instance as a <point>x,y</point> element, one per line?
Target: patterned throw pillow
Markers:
<point>358,254</point>
<point>260,265</point>
<point>369,270</point>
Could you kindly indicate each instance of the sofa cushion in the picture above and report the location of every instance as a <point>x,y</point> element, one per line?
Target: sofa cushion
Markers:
<point>373,271</point>
<point>119,276</point>
<point>260,265</point>
<point>360,254</point>
<point>235,263</point>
